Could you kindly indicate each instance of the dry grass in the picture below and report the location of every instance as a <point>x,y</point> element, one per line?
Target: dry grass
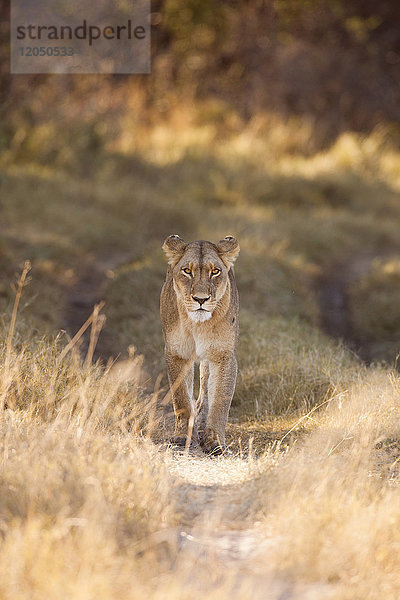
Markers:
<point>90,508</point>
<point>334,500</point>
<point>287,367</point>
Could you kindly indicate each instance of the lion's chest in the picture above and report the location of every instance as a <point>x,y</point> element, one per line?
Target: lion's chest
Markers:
<point>187,343</point>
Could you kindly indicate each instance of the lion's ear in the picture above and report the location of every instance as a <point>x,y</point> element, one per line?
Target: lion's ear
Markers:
<point>228,249</point>
<point>174,247</point>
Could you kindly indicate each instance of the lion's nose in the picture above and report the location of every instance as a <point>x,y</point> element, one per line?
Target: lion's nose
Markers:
<point>201,299</point>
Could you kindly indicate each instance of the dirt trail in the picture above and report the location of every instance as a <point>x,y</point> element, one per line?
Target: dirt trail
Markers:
<point>332,290</point>
<point>218,500</point>
<point>89,289</point>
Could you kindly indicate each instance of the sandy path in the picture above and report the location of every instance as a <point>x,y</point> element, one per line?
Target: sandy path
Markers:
<point>219,502</point>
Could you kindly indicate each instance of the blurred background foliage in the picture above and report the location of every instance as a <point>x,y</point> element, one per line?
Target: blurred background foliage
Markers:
<point>331,63</point>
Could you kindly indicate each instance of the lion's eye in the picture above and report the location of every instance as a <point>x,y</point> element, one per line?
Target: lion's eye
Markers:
<point>187,271</point>
<point>215,271</point>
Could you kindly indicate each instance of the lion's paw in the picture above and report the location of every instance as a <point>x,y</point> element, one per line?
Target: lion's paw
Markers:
<point>212,444</point>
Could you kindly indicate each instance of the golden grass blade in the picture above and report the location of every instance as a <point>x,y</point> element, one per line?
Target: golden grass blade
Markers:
<point>21,283</point>
<point>307,416</point>
<point>79,333</point>
<point>7,377</point>
<point>97,325</point>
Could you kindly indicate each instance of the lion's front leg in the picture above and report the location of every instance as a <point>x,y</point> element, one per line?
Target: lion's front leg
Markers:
<point>202,400</point>
<point>180,376</point>
<point>221,386</point>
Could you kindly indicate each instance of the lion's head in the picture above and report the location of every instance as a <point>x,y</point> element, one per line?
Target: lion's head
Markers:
<point>200,272</point>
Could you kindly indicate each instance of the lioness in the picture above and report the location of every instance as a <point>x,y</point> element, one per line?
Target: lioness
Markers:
<point>199,315</point>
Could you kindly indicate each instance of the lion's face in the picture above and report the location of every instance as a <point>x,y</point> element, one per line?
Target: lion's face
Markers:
<point>200,279</point>
<point>200,273</point>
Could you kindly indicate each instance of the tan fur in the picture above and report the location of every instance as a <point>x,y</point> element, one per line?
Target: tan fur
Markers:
<point>199,315</point>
